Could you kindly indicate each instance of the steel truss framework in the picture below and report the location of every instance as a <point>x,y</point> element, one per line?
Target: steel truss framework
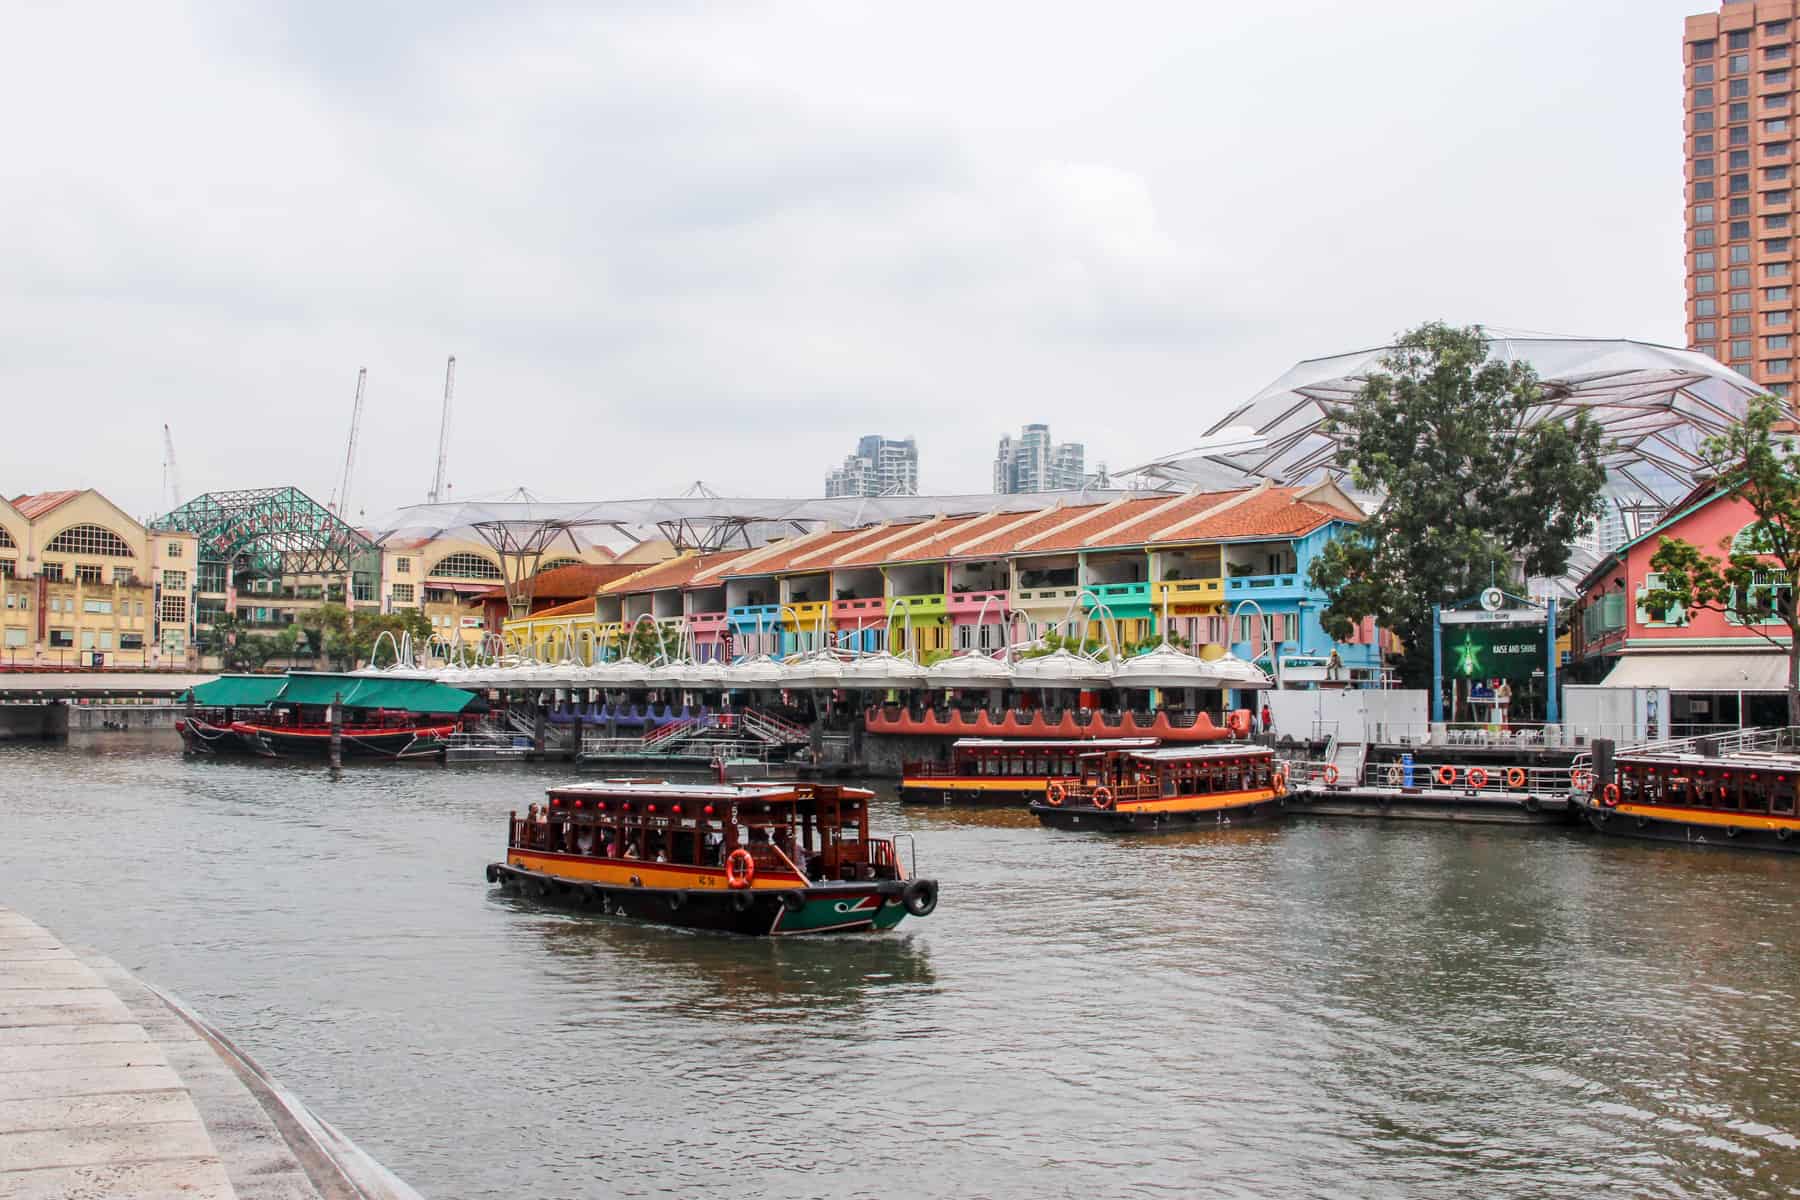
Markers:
<point>521,546</point>
<point>1655,405</point>
<point>270,531</point>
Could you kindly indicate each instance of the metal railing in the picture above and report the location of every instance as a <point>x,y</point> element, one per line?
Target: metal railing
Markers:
<point>1728,741</point>
<point>1481,779</point>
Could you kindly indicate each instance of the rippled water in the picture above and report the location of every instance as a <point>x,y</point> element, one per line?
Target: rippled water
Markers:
<point>1330,1008</point>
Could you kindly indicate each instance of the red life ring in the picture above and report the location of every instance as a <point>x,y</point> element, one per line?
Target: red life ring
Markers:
<point>1579,780</point>
<point>1446,774</point>
<point>740,868</point>
<point>1610,795</point>
<point>1103,798</point>
<point>1238,722</point>
<point>1515,777</point>
<point>1053,795</point>
<point>1477,777</point>
<point>1331,774</point>
<point>1278,781</point>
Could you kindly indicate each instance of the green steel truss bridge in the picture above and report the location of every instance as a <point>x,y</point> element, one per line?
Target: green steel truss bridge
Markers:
<point>271,531</point>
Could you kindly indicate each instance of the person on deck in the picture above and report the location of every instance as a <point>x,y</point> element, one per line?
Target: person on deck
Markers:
<point>1268,718</point>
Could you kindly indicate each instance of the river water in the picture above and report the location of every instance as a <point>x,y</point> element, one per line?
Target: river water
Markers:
<point>1328,1008</point>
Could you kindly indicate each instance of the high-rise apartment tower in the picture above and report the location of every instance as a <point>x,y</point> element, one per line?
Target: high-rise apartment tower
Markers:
<point>1033,463</point>
<point>880,467</point>
<point>1739,69</point>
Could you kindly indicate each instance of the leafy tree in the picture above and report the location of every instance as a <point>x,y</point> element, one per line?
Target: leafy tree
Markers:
<point>1754,583</point>
<point>1470,493</point>
<point>347,639</point>
<point>647,640</point>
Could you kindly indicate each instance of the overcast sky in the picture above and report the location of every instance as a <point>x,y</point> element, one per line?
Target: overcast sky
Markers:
<point>673,241</point>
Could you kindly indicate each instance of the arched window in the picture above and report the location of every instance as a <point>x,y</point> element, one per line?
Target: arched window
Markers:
<point>560,562</point>
<point>91,540</point>
<point>463,565</point>
<point>1751,539</point>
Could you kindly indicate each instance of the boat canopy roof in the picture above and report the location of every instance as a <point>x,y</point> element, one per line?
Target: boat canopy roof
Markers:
<point>1083,744</point>
<point>353,691</point>
<point>770,790</point>
<point>1176,754</point>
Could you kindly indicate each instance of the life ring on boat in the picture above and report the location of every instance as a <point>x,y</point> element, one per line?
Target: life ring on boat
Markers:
<point>740,868</point>
<point>1055,794</point>
<point>1278,781</point>
<point>1579,780</point>
<point>1393,776</point>
<point>1331,774</point>
<point>1238,722</point>
<point>1477,777</point>
<point>1515,777</point>
<point>1103,797</point>
<point>1609,796</point>
<point>1446,774</point>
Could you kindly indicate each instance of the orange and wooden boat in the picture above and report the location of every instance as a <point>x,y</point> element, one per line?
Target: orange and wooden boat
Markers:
<point>1169,788</point>
<point>1004,770</point>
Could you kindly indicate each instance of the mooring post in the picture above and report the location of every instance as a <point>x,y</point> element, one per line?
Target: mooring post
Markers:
<point>336,720</point>
<point>537,728</point>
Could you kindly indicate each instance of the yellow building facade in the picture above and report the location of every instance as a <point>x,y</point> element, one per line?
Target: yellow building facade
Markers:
<point>83,584</point>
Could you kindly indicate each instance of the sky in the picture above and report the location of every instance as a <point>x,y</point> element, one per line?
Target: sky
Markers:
<point>671,241</point>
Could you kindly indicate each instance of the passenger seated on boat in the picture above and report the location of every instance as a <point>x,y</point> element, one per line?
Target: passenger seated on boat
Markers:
<point>612,844</point>
<point>634,850</point>
<point>584,840</point>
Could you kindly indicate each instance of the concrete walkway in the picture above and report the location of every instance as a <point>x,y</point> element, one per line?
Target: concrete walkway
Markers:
<point>109,1089</point>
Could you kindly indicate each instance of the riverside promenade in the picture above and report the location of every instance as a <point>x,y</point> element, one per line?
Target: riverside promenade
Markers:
<point>111,1089</point>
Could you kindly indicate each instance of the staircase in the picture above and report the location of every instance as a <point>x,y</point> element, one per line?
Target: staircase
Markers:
<point>774,731</point>
<point>1347,757</point>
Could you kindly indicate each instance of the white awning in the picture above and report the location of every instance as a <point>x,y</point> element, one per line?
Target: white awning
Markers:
<point>1744,672</point>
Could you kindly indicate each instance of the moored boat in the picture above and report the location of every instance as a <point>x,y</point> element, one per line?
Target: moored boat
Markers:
<point>1169,788</point>
<point>1004,770</point>
<point>750,858</point>
<point>1697,793</point>
<point>302,715</point>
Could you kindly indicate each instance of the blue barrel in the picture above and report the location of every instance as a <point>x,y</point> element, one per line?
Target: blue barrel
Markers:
<point>1406,770</point>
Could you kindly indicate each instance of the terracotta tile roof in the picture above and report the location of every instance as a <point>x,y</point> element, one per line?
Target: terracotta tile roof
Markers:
<point>574,608</point>
<point>671,572</point>
<point>1010,541</point>
<point>945,539</point>
<point>578,581</point>
<point>32,506</point>
<point>1274,513</point>
<point>820,554</point>
<point>882,549</point>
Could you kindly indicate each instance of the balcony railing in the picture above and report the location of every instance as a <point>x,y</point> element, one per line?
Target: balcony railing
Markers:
<point>1190,591</point>
<point>1257,583</point>
<point>969,602</point>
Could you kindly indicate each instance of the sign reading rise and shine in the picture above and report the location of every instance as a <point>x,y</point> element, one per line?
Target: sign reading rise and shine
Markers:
<point>1492,651</point>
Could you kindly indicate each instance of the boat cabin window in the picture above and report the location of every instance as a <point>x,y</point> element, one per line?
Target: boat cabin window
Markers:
<point>1719,788</point>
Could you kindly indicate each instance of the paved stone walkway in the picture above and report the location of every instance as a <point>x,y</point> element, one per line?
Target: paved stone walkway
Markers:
<point>110,1092</point>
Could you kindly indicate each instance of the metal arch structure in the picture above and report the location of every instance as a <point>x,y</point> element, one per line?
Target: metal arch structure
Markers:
<point>521,545</point>
<point>270,531</point>
<point>1656,405</point>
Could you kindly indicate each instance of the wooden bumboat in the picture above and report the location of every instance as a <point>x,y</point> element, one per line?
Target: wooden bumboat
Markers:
<point>750,858</point>
<point>1004,770</point>
<point>1743,799</point>
<point>1170,788</point>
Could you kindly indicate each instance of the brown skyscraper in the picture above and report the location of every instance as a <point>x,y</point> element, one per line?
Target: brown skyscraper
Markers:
<point>1740,187</point>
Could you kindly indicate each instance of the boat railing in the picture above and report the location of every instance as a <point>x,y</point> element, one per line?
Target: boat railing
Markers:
<point>1726,740</point>
<point>486,739</point>
<point>1517,779</point>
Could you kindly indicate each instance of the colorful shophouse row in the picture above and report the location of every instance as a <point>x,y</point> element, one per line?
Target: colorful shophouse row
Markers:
<point>1214,569</point>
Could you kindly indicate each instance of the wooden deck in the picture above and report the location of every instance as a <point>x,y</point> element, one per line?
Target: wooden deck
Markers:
<point>109,1089</point>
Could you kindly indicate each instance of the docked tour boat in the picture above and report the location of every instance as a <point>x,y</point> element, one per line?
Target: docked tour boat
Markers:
<point>751,858</point>
<point>1004,770</point>
<point>1742,796</point>
<point>1174,787</point>
<point>291,716</point>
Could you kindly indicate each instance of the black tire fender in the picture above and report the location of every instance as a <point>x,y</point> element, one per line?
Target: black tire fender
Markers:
<point>493,873</point>
<point>793,899</point>
<point>740,900</point>
<point>1531,804</point>
<point>920,897</point>
<point>677,900</point>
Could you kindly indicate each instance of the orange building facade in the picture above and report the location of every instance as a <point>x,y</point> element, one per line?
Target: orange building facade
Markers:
<point>1738,69</point>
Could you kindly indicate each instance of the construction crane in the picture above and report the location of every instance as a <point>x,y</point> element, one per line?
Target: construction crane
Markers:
<point>437,481</point>
<point>340,499</point>
<point>171,476</point>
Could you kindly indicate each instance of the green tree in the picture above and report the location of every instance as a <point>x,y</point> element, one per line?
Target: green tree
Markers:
<point>1754,583</point>
<point>347,639</point>
<point>1470,493</point>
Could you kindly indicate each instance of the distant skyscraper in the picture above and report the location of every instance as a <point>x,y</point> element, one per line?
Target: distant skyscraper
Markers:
<point>1033,463</point>
<point>880,467</point>
<point>1737,67</point>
